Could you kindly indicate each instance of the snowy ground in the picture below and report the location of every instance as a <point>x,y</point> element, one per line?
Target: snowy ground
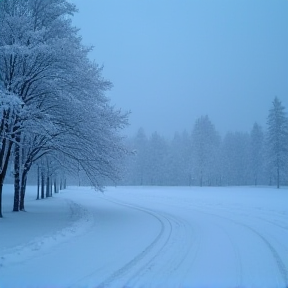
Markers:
<point>147,237</point>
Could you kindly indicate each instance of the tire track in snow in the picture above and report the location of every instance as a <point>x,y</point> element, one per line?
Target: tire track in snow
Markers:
<point>275,255</point>
<point>241,212</point>
<point>165,225</point>
<point>176,250</point>
<point>163,246</point>
<point>280,263</point>
<point>196,241</point>
<point>238,263</point>
<point>163,236</point>
<point>237,256</point>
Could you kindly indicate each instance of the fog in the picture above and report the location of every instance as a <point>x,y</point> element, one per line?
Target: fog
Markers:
<point>172,61</point>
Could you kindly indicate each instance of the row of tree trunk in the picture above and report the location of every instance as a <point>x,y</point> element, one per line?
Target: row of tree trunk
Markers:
<point>47,184</point>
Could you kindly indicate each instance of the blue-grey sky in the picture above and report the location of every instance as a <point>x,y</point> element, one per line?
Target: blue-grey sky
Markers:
<point>171,61</point>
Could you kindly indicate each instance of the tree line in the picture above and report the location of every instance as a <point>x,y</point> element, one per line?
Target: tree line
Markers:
<point>204,158</point>
<point>54,114</point>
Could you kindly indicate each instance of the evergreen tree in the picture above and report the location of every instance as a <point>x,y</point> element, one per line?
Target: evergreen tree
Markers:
<point>235,153</point>
<point>176,161</point>
<point>256,152</point>
<point>277,140</point>
<point>205,145</point>
<point>141,157</point>
<point>157,160</point>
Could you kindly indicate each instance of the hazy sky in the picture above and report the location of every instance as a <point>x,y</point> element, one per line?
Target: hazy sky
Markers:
<point>171,61</point>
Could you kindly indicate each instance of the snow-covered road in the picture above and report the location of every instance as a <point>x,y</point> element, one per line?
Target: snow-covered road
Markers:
<point>149,237</point>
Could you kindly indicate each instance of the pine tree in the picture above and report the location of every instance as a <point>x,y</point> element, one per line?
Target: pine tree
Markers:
<point>205,146</point>
<point>140,166</point>
<point>157,152</point>
<point>277,139</point>
<point>235,158</point>
<point>256,152</point>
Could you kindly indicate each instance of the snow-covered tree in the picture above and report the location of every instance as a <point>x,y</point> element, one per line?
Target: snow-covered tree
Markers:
<point>277,140</point>
<point>175,161</point>
<point>235,158</point>
<point>256,152</point>
<point>157,161</point>
<point>50,90</point>
<point>9,109</point>
<point>187,158</point>
<point>29,59</point>
<point>179,160</point>
<point>140,158</point>
<point>205,145</point>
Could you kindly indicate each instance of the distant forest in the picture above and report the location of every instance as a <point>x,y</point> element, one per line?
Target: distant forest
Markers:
<point>200,157</point>
<point>203,158</point>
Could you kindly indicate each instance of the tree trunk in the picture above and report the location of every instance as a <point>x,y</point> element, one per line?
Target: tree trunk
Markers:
<point>42,184</point>
<point>55,186</point>
<point>4,160</point>
<point>38,183</point>
<point>278,177</point>
<point>47,187</point>
<point>22,196</point>
<point>51,188</point>
<point>22,191</point>
<point>16,178</point>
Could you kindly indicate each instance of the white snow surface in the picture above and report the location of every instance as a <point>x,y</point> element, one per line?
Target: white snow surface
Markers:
<point>146,237</point>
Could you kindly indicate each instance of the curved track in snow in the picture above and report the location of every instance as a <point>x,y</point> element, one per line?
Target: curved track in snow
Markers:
<point>156,259</point>
<point>223,247</point>
<point>160,237</point>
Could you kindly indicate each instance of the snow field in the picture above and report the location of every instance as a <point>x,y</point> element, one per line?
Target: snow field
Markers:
<point>147,237</point>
